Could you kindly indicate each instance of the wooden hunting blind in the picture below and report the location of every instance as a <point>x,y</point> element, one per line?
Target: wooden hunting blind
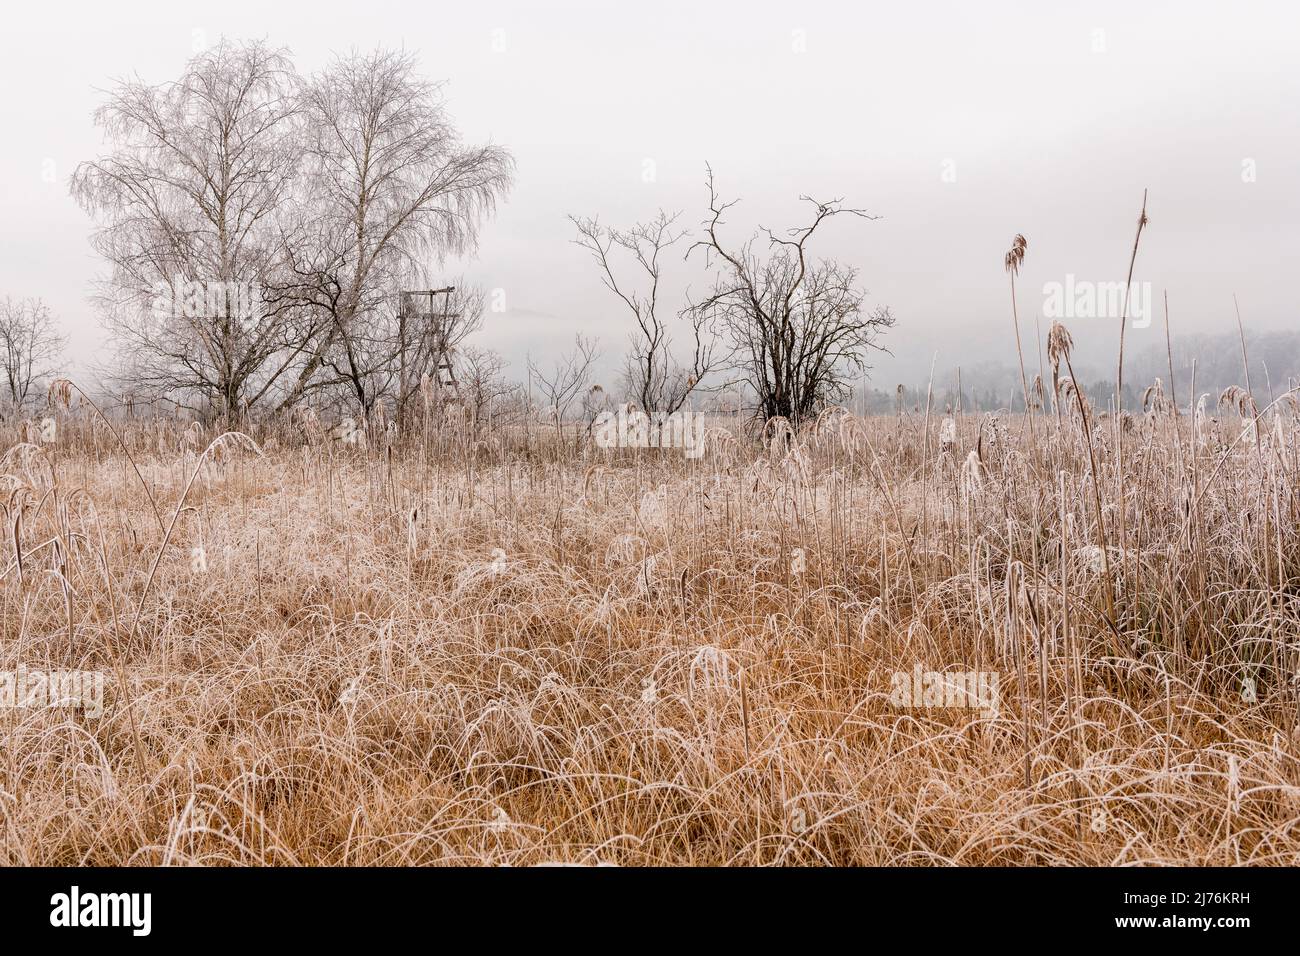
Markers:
<point>430,309</point>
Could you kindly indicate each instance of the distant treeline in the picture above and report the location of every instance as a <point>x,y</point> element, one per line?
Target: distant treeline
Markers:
<point>1274,367</point>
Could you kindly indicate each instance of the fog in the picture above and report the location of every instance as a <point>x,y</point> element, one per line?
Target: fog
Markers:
<point>958,125</point>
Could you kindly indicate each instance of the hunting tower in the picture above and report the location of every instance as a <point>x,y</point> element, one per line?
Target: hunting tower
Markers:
<point>425,316</point>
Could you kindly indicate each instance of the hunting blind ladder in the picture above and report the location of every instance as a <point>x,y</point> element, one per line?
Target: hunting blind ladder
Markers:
<point>420,306</point>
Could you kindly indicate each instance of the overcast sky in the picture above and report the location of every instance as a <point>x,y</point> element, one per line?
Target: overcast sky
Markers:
<point>960,124</point>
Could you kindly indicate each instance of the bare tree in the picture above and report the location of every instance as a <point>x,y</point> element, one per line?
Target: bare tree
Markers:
<point>484,391</point>
<point>653,377</point>
<point>258,228</point>
<point>30,348</point>
<point>189,198</point>
<point>566,380</point>
<point>391,188</point>
<point>797,328</point>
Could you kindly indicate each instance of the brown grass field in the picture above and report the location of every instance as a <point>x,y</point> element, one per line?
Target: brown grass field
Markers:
<point>515,648</point>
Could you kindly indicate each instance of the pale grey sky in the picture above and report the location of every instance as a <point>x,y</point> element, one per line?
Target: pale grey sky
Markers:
<point>1049,120</point>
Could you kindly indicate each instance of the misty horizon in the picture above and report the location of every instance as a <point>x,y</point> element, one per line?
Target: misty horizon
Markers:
<point>957,129</point>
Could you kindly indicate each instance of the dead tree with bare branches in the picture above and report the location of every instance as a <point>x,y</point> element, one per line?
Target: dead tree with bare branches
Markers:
<point>30,349</point>
<point>796,327</point>
<point>653,376</point>
<point>566,380</point>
